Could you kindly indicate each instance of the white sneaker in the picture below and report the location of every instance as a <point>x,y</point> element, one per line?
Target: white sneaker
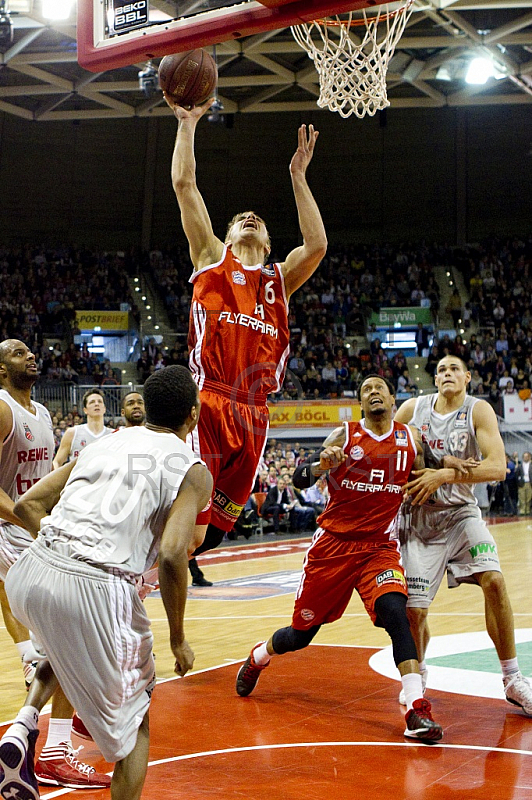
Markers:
<point>518,692</point>
<point>423,673</point>
<point>29,668</point>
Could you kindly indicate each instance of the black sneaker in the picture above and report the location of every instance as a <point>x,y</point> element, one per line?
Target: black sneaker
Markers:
<point>201,581</point>
<point>17,753</point>
<point>419,722</point>
<point>248,675</point>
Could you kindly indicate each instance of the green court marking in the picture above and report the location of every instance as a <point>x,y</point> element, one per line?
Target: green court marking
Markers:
<point>485,660</point>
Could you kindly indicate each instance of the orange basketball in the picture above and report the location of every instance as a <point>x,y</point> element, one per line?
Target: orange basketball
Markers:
<point>188,78</point>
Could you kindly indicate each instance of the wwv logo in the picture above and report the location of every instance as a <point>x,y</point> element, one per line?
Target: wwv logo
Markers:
<point>483,547</point>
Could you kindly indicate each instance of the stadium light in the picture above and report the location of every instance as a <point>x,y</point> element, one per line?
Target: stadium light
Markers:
<point>480,69</point>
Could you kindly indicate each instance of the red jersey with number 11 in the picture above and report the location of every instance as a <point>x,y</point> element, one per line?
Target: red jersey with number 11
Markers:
<point>365,491</point>
<point>239,332</point>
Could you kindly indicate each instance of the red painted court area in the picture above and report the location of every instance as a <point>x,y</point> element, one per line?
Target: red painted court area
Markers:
<point>322,725</point>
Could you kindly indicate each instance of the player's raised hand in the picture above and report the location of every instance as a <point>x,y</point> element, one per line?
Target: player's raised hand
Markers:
<point>331,457</point>
<point>184,657</point>
<point>305,149</point>
<point>182,113</point>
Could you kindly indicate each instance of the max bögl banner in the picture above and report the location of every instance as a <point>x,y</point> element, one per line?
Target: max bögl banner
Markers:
<point>326,414</point>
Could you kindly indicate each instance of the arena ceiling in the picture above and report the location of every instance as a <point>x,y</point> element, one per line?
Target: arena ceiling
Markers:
<point>41,80</point>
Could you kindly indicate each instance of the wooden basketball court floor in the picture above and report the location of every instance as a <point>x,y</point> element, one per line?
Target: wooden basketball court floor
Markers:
<point>324,723</point>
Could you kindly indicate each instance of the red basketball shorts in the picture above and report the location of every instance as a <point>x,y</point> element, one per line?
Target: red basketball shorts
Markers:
<point>230,437</point>
<point>334,568</point>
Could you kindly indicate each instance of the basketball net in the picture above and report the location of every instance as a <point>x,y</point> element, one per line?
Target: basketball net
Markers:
<point>353,73</point>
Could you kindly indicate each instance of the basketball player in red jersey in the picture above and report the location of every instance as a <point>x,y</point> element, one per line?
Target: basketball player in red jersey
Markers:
<point>355,547</point>
<point>239,336</point>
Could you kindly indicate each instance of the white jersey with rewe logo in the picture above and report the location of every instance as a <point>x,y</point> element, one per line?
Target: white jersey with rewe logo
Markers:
<point>27,454</point>
<point>115,504</point>
<point>84,436</point>
<point>450,434</point>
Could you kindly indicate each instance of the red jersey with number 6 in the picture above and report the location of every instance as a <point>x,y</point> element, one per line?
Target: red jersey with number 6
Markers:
<point>365,491</point>
<point>239,332</point>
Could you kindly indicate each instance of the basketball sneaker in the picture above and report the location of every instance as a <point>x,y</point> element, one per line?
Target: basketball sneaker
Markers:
<point>518,692</point>
<point>248,675</point>
<point>17,751</point>
<point>424,674</point>
<point>58,766</point>
<point>419,722</point>
<point>29,668</point>
<point>78,727</point>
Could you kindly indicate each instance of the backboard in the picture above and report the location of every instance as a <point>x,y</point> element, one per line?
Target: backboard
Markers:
<point>116,33</point>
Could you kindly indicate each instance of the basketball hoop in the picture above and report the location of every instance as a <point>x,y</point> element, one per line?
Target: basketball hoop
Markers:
<point>353,74</point>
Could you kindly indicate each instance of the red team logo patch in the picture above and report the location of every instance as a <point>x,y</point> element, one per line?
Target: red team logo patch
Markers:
<point>27,433</point>
<point>307,614</point>
<point>356,453</point>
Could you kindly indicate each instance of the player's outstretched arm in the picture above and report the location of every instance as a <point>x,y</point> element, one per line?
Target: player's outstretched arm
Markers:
<point>63,450</point>
<point>205,247</point>
<point>39,500</point>
<point>303,261</point>
<point>177,544</point>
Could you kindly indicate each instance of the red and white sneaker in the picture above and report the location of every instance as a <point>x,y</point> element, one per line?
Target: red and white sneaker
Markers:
<point>248,674</point>
<point>419,722</point>
<point>58,766</point>
<point>78,727</point>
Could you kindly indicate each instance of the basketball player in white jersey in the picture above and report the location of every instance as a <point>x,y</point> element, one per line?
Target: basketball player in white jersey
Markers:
<point>134,413</point>
<point>79,436</point>
<point>101,523</point>
<point>133,409</point>
<point>26,451</point>
<point>444,530</point>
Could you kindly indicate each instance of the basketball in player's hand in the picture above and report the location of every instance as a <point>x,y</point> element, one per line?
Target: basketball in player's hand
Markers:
<point>189,79</point>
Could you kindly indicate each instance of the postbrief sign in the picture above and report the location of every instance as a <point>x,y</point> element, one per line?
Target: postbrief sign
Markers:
<point>102,320</point>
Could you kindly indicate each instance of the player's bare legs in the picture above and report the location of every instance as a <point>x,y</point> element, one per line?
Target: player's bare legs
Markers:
<point>130,773</point>
<point>43,686</point>
<point>199,536</point>
<point>16,629</point>
<point>418,619</point>
<point>499,614</point>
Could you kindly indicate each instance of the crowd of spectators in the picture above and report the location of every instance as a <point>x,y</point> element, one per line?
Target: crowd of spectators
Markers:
<point>43,287</point>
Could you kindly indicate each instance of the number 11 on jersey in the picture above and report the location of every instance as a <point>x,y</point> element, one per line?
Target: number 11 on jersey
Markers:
<point>404,459</point>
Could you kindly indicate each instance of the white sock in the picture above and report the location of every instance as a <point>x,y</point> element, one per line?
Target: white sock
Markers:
<point>29,716</point>
<point>509,667</point>
<point>413,689</point>
<point>27,651</point>
<point>261,655</point>
<point>59,731</point>
<point>422,666</point>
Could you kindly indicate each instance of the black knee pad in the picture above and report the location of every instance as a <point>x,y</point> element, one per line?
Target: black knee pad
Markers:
<point>287,640</point>
<point>391,615</point>
<point>213,537</point>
